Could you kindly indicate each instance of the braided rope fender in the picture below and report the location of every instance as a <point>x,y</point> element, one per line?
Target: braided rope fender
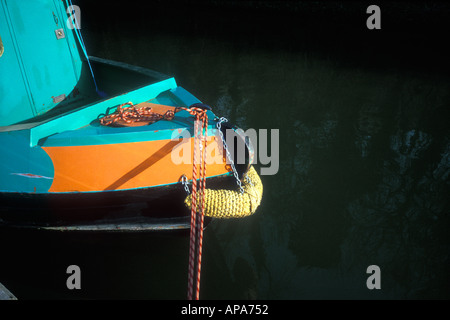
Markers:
<point>226,204</point>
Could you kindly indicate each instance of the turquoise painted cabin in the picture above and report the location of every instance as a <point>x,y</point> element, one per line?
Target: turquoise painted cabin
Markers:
<point>40,66</point>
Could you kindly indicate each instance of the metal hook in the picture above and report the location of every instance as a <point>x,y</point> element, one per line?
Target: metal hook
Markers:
<point>184,182</point>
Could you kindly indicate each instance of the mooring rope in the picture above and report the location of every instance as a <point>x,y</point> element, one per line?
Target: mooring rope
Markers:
<point>197,216</point>
<point>128,113</point>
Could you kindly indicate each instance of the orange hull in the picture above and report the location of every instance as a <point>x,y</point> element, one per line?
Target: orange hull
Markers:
<point>123,166</point>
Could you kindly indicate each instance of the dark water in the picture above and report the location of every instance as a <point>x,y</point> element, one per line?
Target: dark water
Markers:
<point>364,154</point>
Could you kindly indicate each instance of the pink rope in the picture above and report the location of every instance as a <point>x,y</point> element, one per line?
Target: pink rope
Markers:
<point>197,218</point>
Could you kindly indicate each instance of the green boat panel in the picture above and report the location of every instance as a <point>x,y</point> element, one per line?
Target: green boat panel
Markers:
<point>184,97</point>
<point>84,116</point>
<point>93,135</point>
<point>13,107</point>
<point>23,169</point>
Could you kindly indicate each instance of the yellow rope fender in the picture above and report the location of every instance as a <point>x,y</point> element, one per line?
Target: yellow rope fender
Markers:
<point>232,204</point>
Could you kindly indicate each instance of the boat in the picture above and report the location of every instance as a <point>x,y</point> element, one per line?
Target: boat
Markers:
<point>61,166</point>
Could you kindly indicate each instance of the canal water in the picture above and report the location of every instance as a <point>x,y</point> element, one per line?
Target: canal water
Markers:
<point>364,154</point>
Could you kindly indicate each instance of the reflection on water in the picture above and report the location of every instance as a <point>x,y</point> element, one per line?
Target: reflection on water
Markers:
<point>363,178</point>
